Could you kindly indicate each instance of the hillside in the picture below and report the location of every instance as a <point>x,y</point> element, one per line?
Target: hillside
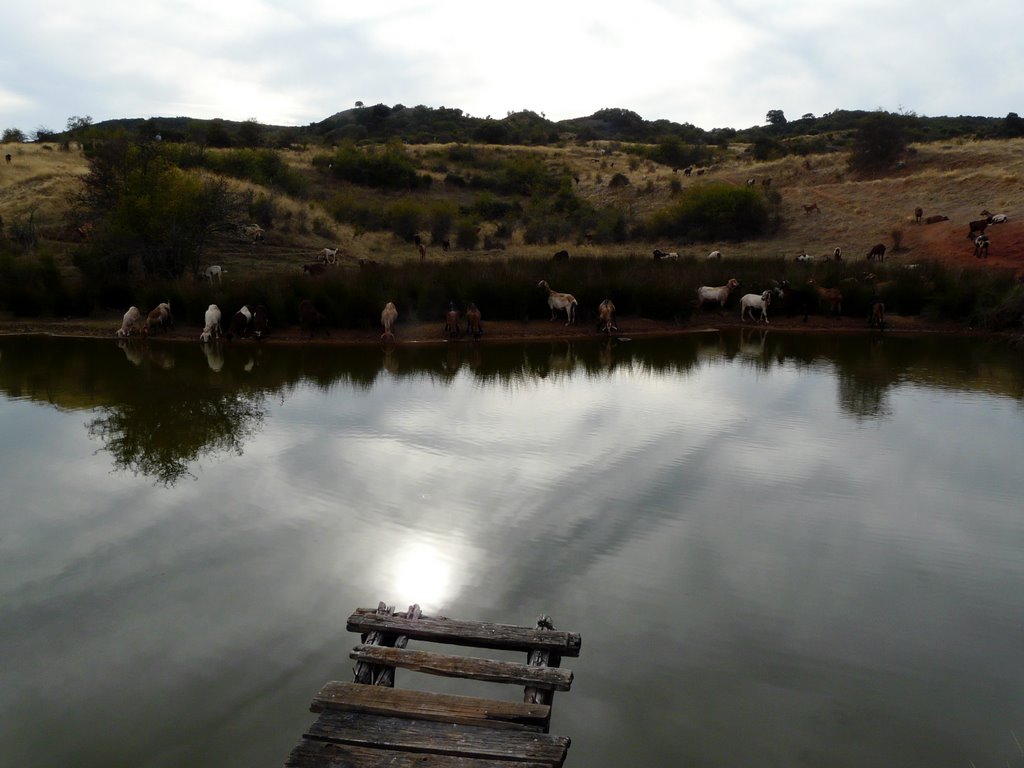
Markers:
<point>957,180</point>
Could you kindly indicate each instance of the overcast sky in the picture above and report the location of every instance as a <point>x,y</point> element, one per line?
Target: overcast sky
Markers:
<point>713,63</point>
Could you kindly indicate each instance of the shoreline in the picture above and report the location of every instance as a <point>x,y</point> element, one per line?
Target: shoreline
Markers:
<point>504,332</point>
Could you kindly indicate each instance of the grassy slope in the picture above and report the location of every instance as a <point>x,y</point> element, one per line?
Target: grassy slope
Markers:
<point>957,180</point>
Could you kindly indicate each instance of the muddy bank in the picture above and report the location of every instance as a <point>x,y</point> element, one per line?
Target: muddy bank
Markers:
<point>496,331</point>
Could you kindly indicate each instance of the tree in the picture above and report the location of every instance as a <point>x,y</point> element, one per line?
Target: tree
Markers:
<point>250,133</point>
<point>76,123</point>
<point>1011,126</point>
<point>147,212</point>
<point>880,140</point>
<point>359,105</point>
<point>42,133</point>
<point>13,136</point>
<point>775,117</point>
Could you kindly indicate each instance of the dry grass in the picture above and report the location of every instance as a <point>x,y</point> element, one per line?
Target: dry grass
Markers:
<point>957,180</point>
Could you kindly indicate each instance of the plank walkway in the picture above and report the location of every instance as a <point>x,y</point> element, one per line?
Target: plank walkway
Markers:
<point>370,724</point>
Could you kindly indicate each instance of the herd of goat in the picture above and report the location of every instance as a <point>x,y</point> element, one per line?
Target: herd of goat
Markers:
<point>255,322</point>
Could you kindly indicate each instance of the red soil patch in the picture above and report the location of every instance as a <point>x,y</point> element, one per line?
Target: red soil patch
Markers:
<point>947,242</point>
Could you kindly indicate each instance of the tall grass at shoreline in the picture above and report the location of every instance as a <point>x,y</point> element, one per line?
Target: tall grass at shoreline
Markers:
<point>508,290</point>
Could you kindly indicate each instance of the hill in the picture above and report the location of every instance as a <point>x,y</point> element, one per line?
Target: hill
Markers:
<point>958,180</point>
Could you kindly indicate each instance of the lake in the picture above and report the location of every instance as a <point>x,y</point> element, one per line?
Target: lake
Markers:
<point>780,550</point>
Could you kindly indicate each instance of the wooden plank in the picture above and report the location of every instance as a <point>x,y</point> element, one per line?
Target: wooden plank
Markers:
<point>422,705</point>
<point>468,741</point>
<point>326,754</point>
<point>471,633</point>
<point>368,673</point>
<point>541,658</point>
<point>466,667</point>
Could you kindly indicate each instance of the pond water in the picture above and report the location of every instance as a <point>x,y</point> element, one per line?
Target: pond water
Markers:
<point>780,550</point>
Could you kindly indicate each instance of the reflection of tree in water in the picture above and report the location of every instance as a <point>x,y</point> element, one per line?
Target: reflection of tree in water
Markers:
<point>864,397</point>
<point>161,442</point>
<point>866,374</point>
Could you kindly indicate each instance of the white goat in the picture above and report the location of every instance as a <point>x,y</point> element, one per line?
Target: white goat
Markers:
<point>1000,218</point>
<point>328,256</point>
<point>715,255</point>
<point>214,271</point>
<point>129,323</point>
<point>719,294</point>
<point>803,257</point>
<point>387,319</point>
<point>560,301</point>
<point>252,232</point>
<point>752,301</point>
<point>212,319</point>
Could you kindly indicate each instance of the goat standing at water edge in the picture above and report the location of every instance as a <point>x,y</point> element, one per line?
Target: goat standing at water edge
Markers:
<point>560,302</point>
<point>606,315</point>
<point>752,301</point>
<point>718,294</point>
<point>387,319</point>
<point>473,321</point>
<point>451,321</point>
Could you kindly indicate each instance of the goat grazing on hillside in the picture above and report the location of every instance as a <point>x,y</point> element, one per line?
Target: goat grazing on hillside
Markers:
<point>877,252</point>
<point>561,302</point>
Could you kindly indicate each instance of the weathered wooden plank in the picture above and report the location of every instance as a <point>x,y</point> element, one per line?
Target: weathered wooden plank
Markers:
<point>326,754</point>
<point>541,657</point>
<point>368,673</point>
<point>472,633</point>
<point>468,741</point>
<point>466,667</point>
<point>423,705</point>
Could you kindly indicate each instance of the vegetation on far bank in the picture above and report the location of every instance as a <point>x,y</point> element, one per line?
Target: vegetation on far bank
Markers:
<point>150,204</point>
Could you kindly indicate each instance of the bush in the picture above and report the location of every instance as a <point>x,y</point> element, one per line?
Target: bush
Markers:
<point>713,212</point>
<point>880,140</point>
<point>467,234</point>
<point>386,167</point>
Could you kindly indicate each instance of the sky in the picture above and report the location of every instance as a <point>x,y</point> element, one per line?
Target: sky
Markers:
<point>712,63</point>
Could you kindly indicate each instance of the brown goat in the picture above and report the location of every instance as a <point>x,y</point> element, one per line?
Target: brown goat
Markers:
<point>833,297</point>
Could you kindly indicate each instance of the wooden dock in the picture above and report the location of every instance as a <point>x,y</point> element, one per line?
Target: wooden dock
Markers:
<point>369,723</point>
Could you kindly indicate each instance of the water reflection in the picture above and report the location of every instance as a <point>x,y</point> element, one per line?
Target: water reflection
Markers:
<point>813,575</point>
<point>171,406</point>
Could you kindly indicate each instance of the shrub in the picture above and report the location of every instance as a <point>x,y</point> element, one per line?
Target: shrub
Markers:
<point>467,234</point>
<point>386,167</point>
<point>619,180</point>
<point>713,212</point>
